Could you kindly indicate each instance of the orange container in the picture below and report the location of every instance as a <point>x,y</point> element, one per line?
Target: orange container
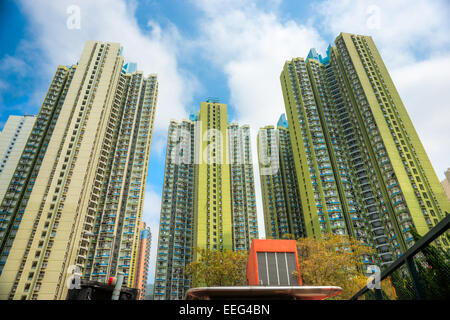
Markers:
<point>278,259</point>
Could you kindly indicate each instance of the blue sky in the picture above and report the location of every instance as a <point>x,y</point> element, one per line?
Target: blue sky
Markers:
<point>233,50</point>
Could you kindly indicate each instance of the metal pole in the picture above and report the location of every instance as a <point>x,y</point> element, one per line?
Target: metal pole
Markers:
<point>437,230</point>
<point>111,254</point>
<point>378,294</point>
<point>416,281</point>
<point>118,287</point>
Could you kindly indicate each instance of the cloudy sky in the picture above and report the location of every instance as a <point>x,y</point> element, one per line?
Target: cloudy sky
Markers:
<point>233,50</point>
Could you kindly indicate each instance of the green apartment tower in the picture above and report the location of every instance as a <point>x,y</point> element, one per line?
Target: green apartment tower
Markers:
<point>74,204</point>
<point>279,188</point>
<point>361,168</point>
<point>208,196</point>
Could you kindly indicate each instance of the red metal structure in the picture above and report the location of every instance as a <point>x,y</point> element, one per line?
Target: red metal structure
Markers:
<point>272,262</point>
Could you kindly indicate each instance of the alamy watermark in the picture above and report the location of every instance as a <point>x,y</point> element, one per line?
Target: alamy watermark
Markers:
<point>74,281</point>
<point>374,281</point>
<point>218,147</point>
<point>374,17</point>
<point>74,19</point>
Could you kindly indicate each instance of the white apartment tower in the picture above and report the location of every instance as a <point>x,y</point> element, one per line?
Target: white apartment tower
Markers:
<point>13,139</point>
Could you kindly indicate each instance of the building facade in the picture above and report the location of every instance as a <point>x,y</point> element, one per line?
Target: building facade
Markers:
<point>19,187</point>
<point>175,242</point>
<point>208,196</point>
<point>446,183</point>
<point>120,204</point>
<point>83,203</point>
<point>243,200</point>
<point>361,168</point>
<point>142,263</point>
<point>13,139</point>
<point>279,189</point>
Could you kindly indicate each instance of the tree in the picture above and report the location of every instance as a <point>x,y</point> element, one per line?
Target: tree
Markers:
<point>334,261</point>
<point>434,272</point>
<point>288,236</point>
<point>403,285</point>
<point>218,268</point>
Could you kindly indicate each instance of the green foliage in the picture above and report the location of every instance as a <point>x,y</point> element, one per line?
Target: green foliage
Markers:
<point>433,269</point>
<point>333,261</point>
<point>218,268</point>
<point>403,286</point>
<point>288,236</point>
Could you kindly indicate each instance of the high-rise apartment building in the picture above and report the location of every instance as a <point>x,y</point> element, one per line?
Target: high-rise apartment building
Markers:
<point>13,139</point>
<point>279,188</point>
<point>243,200</point>
<point>76,209</point>
<point>213,226</point>
<point>208,196</point>
<point>175,242</point>
<point>142,263</point>
<point>120,205</point>
<point>361,168</point>
<point>446,183</point>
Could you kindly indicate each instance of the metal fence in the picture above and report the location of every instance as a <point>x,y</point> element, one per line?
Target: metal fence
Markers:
<point>421,273</point>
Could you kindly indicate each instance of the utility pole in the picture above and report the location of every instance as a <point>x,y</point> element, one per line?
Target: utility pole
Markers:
<point>118,287</point>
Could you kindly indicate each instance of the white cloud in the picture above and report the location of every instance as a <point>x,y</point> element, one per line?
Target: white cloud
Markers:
<point>15,68</point>
<point>425,90</point>
<point>251,47</point>
<point>401,29</point>
<point>3,87</point>
<point>159,142</point>
<point>152,204</point>
<point>11,64</point>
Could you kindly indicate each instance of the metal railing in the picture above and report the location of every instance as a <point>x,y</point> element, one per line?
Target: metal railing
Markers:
<point>406,269</point>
